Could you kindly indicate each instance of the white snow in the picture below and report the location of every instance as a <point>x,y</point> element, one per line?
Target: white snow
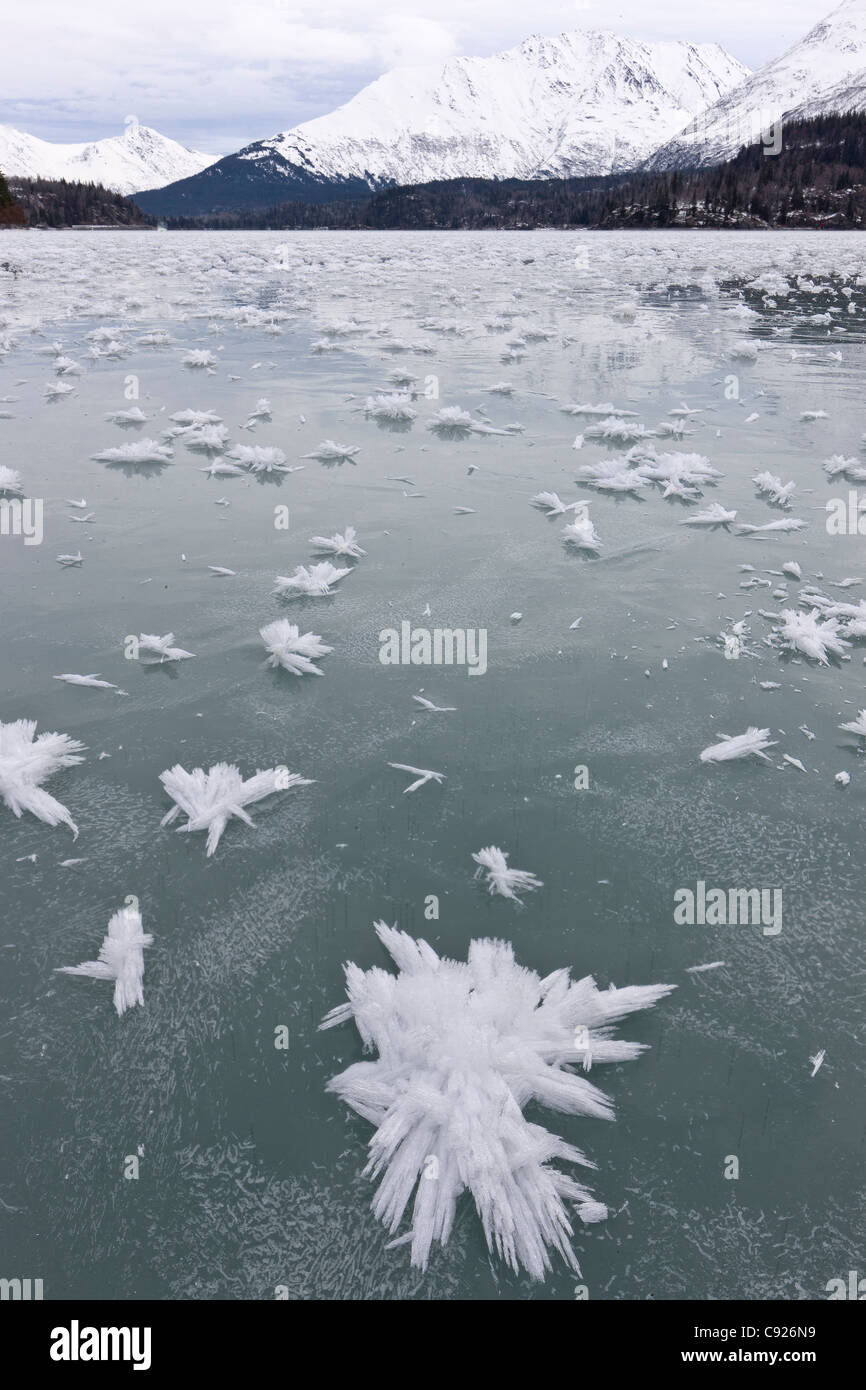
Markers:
<point>582,102</point>
<point>140,158</point>
<point>825,71</point>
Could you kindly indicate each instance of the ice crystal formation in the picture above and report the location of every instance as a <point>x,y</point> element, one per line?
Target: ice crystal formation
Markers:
<point>121,958</point>
<point>422,776</point>
<point>583,534</point>
<point>313,580</point>
<point>134,416</point>
<point>678,475</point>
<point>161,648</point>
<point>850,468</point>
<point>210,799</point>
<point>462,1048</point>
<point>341,543</point>
<point>611,475</point>
<point>293,650</point>
<point>93,681</point>
<point>195,419</point>
<point>397,408</point>
<point>329,452</point>
<point>141,451</point>
<point>260,458</point>
<point>605,408</point>
<point>772,487</point>
<point>10,479</point>
<point>750,744</point>
<point>856,726</point>
<point>817,638</point>
<point>199,357</point>
<point>205,439</point>
<point>508,883</point>
<point>26,762</point>
<point>452,423</point>
<point>713,515</point>
<point>617,430</point>
<point>784,525</point>
<point>553,503</point>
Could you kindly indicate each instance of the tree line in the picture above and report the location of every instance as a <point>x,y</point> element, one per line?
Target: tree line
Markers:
<point>59,203</point>
<point>817,179</point>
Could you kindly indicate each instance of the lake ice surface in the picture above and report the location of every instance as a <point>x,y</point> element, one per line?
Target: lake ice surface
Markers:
<point>250,1173</point>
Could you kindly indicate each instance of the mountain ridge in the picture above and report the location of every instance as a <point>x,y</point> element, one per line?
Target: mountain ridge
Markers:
<point>137,159</point>
<point>582,102</point>
<point>822,73</point>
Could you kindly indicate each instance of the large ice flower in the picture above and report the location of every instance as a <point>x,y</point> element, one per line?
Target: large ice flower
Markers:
<point>462,1048</point>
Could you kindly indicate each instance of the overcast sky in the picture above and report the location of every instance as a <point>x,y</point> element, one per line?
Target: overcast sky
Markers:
<point>217,74</point>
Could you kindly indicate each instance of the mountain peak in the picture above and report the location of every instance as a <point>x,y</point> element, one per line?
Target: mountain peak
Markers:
<point>822,73</point>
<point>584,101</point>
<point>138,157</point>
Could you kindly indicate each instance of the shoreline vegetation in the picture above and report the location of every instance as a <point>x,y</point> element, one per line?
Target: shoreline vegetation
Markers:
<point>816,181</point>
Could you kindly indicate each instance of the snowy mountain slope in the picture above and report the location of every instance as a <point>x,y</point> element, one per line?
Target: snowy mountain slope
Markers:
<point>847,95</point>
<point>823,73</point>
<point>579,103</point>
<point>583,102</point>
<point>139,158</point>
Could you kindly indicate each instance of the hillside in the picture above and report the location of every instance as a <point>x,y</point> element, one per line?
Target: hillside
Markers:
<point>57,203</point>
<point>817,180</point>
<point>585,102</point>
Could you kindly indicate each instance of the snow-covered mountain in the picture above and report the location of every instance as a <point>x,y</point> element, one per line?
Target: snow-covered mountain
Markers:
<point>139,158</point>
<point>585,102</point>
<point>580,103</point>
<point>824,72</point>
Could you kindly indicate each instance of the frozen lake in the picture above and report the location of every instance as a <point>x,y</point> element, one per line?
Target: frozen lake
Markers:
<point>249,1173</point>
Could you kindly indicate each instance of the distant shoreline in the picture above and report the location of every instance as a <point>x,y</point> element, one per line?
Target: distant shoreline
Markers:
<point>814,181</point>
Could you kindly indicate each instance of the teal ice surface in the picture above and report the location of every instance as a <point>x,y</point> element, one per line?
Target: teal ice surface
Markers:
<point>250,1175</point>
